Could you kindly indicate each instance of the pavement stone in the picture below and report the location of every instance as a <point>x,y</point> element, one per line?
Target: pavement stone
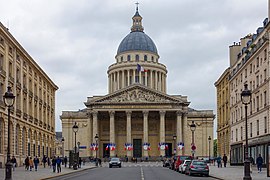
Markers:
<point>42,173</point>
<point>236,173</point>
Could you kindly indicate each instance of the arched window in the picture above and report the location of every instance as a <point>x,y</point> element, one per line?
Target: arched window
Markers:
<point>137,57</point>
<point>128,57</point>
<point>17,140</point>
<point>121,58</point>
<point>152,58</point>
<point>145,57</point>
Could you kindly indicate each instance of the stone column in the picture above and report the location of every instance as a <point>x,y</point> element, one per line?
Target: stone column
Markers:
<point>123,79</point>
<point>162,130</point>
<point>184,120</point>
<point>113,85</point>
<point>145,131</point>
<point>165,86</point>
<point>95,128</point>
<point>140,77</point>
<point>151,79</point>
<point>179,131</point>
<point>156,81</point>
<point>128,79</point>
<point>128,113</point>
<point>145,77</point>
<point>112,131</point>
<point>134,75</point>
<point>118,80</point>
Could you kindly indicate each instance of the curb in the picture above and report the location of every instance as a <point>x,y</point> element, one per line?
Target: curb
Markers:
<point>63,174</point>
<point>215,177</point>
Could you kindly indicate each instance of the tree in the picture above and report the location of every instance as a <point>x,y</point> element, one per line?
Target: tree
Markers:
<point>215,147</point>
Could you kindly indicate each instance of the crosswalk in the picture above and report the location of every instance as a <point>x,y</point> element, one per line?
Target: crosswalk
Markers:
<point>139,164</point>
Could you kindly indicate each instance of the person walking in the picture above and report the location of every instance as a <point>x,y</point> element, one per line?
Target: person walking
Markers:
<point>259,162</point>
<point>14,162</point>
<point>225,159</point>
<point>26,163</point>
<point>31,163</point>
<point>49,162</point>
<point>36,162</point>
<point>58,163</point>
<point>65,161</point>
<point>54,163</point>
<point>44,160</point>
<point>80,162</point>
<point>219,162</point>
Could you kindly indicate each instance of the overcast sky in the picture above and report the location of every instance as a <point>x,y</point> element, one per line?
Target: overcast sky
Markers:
<point>74,41</point>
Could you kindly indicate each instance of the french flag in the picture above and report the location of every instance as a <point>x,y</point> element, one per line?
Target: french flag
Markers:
<point>140,68</point>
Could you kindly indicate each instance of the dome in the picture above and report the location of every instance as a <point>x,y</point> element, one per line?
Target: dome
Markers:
<point>137,41</point>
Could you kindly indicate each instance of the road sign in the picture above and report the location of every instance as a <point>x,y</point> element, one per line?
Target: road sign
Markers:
<point>193,147</point>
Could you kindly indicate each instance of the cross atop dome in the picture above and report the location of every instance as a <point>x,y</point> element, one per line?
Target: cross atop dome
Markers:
<point>137,20</point>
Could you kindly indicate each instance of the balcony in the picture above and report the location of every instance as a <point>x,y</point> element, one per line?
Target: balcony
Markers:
<point>18,112</point>
<point>44,125</point>
<point>40,123</point>
<point>18,84</point>
<point>31,119</point>
<point>49,127</point>
<point>11,79</point>
<point>36,98</point>
<point>30,93</point>
<point>24,89</point>
<point>36,121</point>
<point>40,101</point>
<point>2,72</point>
<point>25,116</point>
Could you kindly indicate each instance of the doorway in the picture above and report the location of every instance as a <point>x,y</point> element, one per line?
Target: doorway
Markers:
<point>137,148</point>
<point>106,151</point>
<point>169,150</point>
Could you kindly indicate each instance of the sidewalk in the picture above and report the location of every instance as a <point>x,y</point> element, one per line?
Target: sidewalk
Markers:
<point>43,173</point>
<point>236,173</point>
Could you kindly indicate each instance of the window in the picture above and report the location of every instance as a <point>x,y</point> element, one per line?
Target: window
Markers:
<point>265,124</point>
<point>152,58</point>
<point>1,41</point>
<point>128,57</point>
<point>232,135</point>
<point>236,134</point>
<point>1,135</point>
<point>250,129</point>
<point>145,57</point>
<point>1,61</point>
<point>241,133</point>
<point>245,73</point>
<point>258,127</point>
<point>257,80</point>
<point>137,57</point>
<point>257,102</point>
<point>250,66</point>
<point>257,62</point>
<point>265,54</point>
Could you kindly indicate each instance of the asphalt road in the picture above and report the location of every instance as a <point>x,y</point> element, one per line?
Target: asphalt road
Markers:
<point>129,173</point>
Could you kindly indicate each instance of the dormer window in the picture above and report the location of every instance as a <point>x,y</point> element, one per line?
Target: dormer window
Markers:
<point>128,57</point>
<point>152,58</point>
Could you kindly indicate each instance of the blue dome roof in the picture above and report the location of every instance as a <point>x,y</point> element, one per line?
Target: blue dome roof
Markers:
<point>137,41</point>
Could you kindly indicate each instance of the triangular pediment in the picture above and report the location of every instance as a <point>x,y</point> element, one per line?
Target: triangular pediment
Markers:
<point>137,93</point>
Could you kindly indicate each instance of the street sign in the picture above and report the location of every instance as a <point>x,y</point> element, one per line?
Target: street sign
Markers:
<point>193,147</point>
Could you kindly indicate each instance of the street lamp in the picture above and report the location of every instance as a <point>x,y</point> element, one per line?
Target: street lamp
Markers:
<point>96,138</point>
<point>246,98</point>
<point>193,128</point>
<point>174,141</point>
<point>78,154</point>
<point>75,129</point>
<point>63,151</point>
<point>209,140</point>
<point>9,101</point>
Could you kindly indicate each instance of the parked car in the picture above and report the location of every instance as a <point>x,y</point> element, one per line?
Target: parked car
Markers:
<point>179,160</point>
<point>182,167</point>
<point>197,167</point>
<point>167,162</point>
<point>115,162</point>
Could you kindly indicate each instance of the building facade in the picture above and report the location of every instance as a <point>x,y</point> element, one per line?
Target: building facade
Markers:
<point>33,114</point>
<point>137,118</point>
<point>249,64</point>
<point>223,113</point>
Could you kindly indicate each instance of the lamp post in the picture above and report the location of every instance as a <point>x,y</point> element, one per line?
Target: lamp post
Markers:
<point>96,138</point>
<point>209,141</point>
<point>193,147</point>
<point>174,141</point>
<point>246,98</point>
<point>75,129</point>
<point>79,165</point>
<point>63,151</point>
<point>9,101</point>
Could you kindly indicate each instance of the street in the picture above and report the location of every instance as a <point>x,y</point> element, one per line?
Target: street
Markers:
<point>130,171</point>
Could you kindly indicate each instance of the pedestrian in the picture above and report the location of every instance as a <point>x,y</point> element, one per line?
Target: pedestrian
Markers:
<point>49,162</point>
<point>80,162</point>
<point>14,162</point>
<point>65,161</point>
<point>31,163</point>
<point>99,162</point>
<point>126,158</point>
<point>219,162</point>
<point>54,163</point>
<point>259,162</point>
<point>36,162</point>
<point>44,160</point>
<point>225,159</point>
<point>58,163</point>
<point>26,163</point>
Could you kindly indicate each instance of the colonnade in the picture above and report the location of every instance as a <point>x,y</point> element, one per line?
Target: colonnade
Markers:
<point>179,130</point>
<point>150,78</point>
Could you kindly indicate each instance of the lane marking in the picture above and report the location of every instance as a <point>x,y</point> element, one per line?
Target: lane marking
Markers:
<point>142,176</point>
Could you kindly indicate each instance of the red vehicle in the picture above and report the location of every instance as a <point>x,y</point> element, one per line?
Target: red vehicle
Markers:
<point>179,160</point>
